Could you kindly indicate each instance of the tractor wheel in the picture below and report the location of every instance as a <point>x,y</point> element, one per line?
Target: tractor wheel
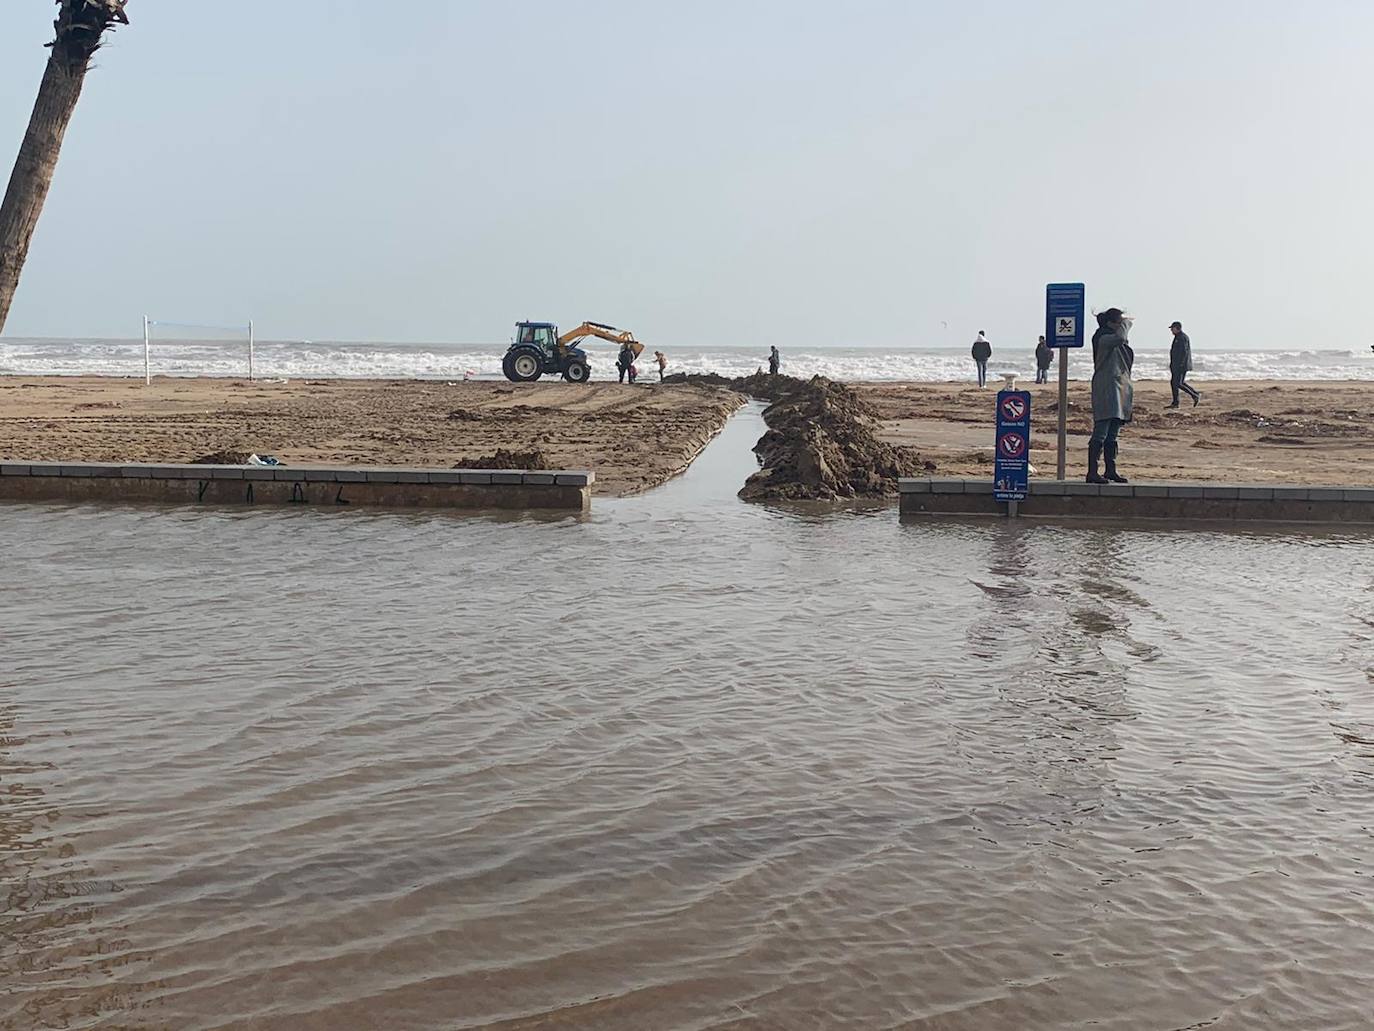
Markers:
<point>577,372</point>
<point>508,367</point>
<point>527,365</point>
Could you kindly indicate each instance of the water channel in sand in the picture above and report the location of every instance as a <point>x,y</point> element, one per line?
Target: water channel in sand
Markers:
<point>684,763</point>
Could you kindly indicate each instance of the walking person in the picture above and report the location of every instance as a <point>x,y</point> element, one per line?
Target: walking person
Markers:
<point>774,360</point>
<point>1113,394</point>
<point>1044,354</point>
<point>982,351</point>
<point>662,360</point>
<point>1180,364</point>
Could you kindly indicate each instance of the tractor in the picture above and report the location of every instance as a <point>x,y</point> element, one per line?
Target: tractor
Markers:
<point>538,350</point>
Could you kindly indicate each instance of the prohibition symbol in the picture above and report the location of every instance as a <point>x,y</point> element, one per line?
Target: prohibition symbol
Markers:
<point>1012,445</point>
<point>1013,409</point>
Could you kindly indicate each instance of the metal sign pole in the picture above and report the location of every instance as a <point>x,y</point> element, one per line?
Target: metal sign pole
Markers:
<point>1063,410</point>
<point>1063,329</point>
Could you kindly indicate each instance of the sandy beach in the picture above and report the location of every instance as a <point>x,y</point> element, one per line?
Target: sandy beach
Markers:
<point>634,438</point>
<point>1242,432</point>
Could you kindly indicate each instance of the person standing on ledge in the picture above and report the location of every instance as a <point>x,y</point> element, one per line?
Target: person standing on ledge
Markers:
<point>774,360</point>
<point>982,351</point>
<point>1044,354</point>
<point>1113,395</point>
<point>1180,364</point>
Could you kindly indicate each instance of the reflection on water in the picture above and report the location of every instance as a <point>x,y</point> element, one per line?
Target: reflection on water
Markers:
<point>685,763</point>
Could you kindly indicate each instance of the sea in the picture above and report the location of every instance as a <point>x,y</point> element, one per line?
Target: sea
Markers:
<point>171,356</point>
<point>682,763</point>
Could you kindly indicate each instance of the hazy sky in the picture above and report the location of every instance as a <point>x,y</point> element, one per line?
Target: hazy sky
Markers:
<point>724,171</point>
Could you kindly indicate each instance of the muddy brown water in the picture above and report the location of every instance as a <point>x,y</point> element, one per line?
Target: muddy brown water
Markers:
<point>684,764</point>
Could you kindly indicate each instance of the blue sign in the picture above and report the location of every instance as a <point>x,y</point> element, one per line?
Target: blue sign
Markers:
<point>1064,314</point>
<point>1011,463</point>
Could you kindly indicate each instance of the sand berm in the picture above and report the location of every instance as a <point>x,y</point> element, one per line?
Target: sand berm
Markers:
<point>820,443</point>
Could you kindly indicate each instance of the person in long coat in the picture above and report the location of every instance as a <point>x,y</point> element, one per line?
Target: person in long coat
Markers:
<point>1044,356</point>
<point>1113,395</point>
<point>1180,364</point>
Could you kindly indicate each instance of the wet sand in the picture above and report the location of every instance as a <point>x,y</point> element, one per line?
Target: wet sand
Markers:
<point>633,438</point>
<point>1243,431</point>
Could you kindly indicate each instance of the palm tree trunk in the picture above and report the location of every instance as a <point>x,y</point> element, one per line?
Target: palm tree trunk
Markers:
<point>80,25</point>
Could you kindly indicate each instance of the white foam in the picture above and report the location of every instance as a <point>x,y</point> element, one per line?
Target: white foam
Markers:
<point>31,357</point>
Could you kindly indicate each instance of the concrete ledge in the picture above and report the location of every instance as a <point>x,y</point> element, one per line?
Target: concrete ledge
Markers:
<point>235,484</point>
<point>1174,502</point>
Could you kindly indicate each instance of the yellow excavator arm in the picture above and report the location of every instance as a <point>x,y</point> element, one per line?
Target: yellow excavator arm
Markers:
<point>597,329</point>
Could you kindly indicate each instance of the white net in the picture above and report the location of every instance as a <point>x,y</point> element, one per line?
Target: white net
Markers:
<point>192,349</point>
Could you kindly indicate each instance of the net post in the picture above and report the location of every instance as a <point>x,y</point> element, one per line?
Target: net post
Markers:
<point>147,356</point>
<point>250,350</point>
<point>1063,409</point>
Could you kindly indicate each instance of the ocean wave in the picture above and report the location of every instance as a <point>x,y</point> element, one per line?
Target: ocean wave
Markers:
<point>329,360</point>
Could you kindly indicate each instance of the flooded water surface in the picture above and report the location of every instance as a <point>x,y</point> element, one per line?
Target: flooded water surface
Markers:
<point>683,764</point>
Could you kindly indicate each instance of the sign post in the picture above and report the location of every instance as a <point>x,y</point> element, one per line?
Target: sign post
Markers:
<point>1063,329</point>
<point>1011,463</point>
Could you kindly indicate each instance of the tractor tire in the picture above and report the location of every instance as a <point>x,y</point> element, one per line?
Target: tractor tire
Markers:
<point>577,372</point>
<point>526,365</point>
<point>508,367</point>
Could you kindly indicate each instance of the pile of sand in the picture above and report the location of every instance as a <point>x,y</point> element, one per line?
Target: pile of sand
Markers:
<point>820,443</point>
<point>504,459</point>
<point>223,458</point>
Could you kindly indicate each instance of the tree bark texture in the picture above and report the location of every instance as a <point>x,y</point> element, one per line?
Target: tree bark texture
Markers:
<point>80,29</point>
<point>33,172</point>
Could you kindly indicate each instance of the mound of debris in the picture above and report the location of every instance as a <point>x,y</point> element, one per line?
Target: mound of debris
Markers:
<point>223,458</point>
<point>820,444</point>
<point>504,459</point>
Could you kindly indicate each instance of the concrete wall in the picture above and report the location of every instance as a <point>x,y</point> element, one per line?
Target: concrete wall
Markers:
<point>1175,502</point>
<point>274,485</point>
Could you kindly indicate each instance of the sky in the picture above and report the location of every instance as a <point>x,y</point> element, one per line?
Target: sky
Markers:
<point>728,172</point>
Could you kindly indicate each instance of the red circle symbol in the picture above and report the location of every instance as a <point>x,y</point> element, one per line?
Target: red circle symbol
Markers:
<point>1014,409</point>
<point>1012,445</point>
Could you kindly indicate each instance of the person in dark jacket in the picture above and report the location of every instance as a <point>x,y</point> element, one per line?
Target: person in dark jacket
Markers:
<point>1044,355</point>
<point>625,361</point>
<point>1180,364</point>
<point>1113,395</point>
<point>982,351</point>
<point>774,360</point>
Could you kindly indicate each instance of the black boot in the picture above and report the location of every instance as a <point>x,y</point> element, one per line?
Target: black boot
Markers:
<point>1094,453</point>
<point>1112,475</point>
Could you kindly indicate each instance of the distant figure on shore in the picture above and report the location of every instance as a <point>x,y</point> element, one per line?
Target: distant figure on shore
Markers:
<point>1180,364</point>
<point>1044,354</point>
<point>982,351</point>
<point>1113,395</point>
<point>662,360</point>
<point>625,363</point>
<point>774,360</point>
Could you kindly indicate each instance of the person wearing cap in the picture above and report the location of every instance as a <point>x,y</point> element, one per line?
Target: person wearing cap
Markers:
<point>1113,396</point>
<point>1180,364</point>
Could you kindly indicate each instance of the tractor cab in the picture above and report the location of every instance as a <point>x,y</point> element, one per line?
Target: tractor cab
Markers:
<point>543,335</point>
